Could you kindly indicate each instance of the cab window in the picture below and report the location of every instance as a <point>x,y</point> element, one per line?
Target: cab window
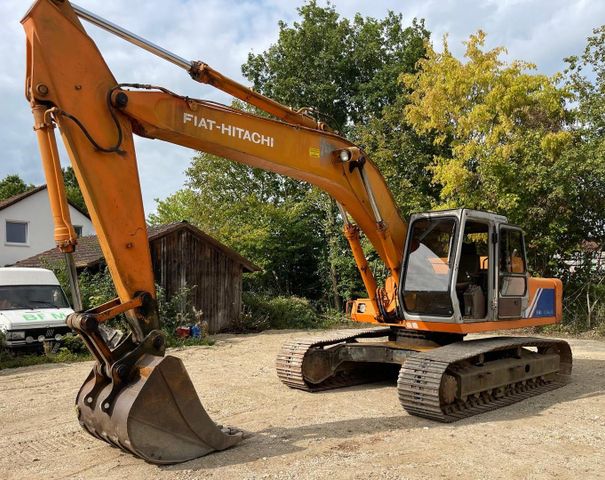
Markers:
<point>512,263</point>
<point>430,255</point>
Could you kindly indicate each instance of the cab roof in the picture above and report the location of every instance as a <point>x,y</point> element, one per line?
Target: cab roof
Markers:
<point>458,212</point>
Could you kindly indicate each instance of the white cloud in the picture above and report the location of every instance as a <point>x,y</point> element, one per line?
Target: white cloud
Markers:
<point>222,33</point>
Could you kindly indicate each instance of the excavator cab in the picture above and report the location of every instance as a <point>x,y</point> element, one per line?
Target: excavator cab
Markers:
<point>463,266</point>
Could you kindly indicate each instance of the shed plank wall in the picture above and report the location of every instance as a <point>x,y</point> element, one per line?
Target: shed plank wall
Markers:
<point>181,258</point>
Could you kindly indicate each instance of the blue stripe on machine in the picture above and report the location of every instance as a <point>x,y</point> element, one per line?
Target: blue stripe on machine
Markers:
<point>545,304</point>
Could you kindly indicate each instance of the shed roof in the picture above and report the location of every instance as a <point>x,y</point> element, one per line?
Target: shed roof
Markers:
<point>88,251</point>
<point>7,202</point>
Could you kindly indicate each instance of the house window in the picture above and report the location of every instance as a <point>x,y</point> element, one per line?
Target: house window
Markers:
<point>78,230</point>
<point>16,232</point>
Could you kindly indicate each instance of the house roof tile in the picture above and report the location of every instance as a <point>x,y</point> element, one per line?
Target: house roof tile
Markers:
<point>88,252</point>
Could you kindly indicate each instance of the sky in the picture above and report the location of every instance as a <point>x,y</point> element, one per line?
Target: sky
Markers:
<point>223,32</point>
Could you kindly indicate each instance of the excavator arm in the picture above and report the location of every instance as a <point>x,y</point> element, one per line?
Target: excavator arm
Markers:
<point>69,83</point>
<point>135,397</point>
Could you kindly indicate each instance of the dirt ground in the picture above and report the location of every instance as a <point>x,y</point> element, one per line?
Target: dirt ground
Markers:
<point>357,432</point>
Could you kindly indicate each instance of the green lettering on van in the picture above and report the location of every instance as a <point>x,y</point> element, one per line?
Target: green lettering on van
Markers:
<point>58,315</point>
<point>30,317</point>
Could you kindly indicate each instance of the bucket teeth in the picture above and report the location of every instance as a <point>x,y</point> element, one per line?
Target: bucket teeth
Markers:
<point>156,416</point>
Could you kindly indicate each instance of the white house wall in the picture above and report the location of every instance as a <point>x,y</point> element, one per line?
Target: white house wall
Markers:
<point>35,210</point>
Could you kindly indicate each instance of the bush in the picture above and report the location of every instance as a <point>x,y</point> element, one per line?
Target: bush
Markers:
<point>177,310</point>
<point>73,344</point>
<point>95,288</point>
<point>261,312</point>
<point>70,349</point>
<point>334,318</point>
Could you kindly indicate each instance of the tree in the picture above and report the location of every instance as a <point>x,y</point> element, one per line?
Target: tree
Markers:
<point>13,185</point>
<point>269,219</point>
<point>402,155</point>
<point>72,189</point>
<point>506,144</point>
<point>586,80</point>
<point>348,70</point>
<point>585,284</point>
<point>345,69</point>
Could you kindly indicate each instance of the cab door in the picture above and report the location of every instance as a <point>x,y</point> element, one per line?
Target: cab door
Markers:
<point>512,272</point>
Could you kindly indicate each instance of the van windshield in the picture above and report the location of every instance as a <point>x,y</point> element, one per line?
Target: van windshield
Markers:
<point>19,297</point>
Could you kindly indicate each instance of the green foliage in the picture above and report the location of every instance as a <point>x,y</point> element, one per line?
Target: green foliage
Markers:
<point>585,283</point>
<point>69,349</point>
<point>74,344</point>
<point>271,220</point>
<point>403,157</point>
<point>504,145</point>
<point>13,185</point>
<point>262,312</point>
<point>96,288</point>
<point>586,80</point>
<point>346,69</point>
<point>177,310</point>
<point>72,189</point>
<point>280,312</point>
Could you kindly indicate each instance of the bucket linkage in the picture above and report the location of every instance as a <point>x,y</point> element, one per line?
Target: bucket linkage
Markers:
<point>137,399</point>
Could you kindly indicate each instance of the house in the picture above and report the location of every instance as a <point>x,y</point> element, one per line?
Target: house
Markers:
<point>182,255</point>
<point>26,225</point>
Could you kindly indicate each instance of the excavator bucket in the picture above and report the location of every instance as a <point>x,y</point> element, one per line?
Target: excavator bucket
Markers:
<point>157,415</point>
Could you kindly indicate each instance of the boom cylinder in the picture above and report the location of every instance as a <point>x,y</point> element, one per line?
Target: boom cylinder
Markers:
<point>351,232</point>
<point>203,73</point>
<point>131,37</point>
<point>65,235</point>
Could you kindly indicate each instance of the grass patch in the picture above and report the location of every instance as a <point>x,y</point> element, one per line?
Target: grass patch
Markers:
<point>8,360</point>
<point>174,342</point>
<point>72,349</point>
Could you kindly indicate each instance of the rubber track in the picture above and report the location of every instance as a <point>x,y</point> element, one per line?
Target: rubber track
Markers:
<point>420,378</point>
<point>289,363</point>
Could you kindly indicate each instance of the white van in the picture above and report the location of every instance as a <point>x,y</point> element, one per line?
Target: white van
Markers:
<point>33,307</point>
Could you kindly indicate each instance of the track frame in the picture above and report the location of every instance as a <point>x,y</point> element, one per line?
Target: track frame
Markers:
<point>441,376</point>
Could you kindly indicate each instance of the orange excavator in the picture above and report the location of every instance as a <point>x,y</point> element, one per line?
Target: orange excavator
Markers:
<point>450,273</point>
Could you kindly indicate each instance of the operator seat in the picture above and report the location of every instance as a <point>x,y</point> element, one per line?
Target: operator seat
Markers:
<point>470,263</point>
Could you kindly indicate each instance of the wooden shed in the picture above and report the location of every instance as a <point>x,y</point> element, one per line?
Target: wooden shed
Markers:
<point>182,255</point>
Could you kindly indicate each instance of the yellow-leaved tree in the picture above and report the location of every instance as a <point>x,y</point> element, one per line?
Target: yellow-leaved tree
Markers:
<point>505,143</point>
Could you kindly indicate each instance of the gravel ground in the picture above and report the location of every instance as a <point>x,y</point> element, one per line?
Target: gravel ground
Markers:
<point>357,432</point>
